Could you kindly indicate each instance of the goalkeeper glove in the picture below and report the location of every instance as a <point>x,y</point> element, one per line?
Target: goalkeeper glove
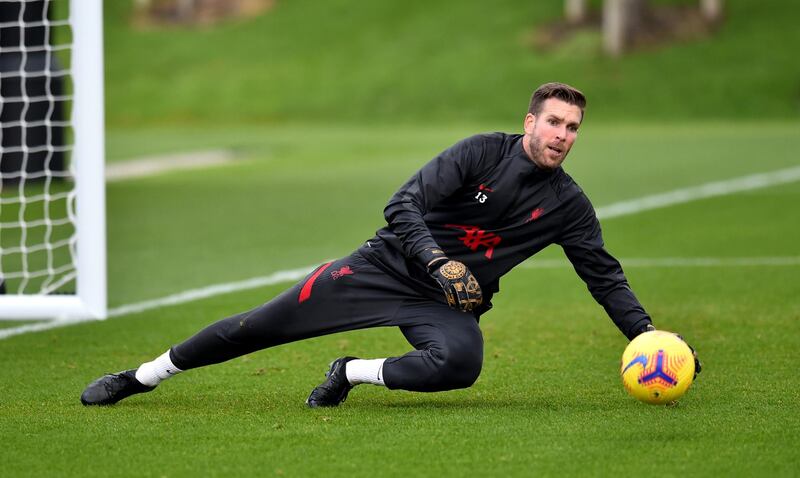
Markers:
<point>460,287</point>
<point>698,367</point>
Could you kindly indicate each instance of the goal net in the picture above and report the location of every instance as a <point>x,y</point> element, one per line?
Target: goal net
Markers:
<point>52,192</point>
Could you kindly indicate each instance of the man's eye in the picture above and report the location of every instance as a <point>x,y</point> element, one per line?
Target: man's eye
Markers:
<point>552,122</point>
<point>573,129</point>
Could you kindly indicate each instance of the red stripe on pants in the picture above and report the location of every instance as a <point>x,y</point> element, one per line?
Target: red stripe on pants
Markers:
<point>305,292</point>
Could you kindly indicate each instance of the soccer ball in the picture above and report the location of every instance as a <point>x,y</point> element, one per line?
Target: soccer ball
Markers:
<point>657,367</point>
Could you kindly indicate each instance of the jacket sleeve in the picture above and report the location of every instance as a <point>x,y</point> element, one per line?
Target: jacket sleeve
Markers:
<point>582,242</point>
<point>437,180</point>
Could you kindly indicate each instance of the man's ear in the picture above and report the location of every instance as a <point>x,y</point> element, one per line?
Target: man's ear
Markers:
<point>528,124</point>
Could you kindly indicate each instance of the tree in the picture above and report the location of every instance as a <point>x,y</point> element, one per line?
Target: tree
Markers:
<point>628,21</point>
<point>619,19</point>
<point>712,10</point>
<point>575,10</point>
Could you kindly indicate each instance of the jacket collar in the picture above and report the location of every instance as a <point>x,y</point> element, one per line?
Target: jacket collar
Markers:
<point>517,153</point>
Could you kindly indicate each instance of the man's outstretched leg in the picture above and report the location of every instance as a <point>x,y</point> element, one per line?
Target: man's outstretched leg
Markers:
<point>110,389</point>
<point>343,295</point>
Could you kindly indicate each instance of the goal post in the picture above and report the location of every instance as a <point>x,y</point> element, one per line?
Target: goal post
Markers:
<point>52,221</point>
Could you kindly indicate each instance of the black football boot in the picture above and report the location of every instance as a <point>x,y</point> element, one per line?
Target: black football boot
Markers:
<point>109,389</point>
<point>334,389</point>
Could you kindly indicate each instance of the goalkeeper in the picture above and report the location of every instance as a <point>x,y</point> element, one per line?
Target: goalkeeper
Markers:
<point>460,223</point>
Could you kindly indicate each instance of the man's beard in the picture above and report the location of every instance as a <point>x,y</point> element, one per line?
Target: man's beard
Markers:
<point>537,150</point>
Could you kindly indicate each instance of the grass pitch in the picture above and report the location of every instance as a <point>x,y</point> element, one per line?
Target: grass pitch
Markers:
<point>549,400</point>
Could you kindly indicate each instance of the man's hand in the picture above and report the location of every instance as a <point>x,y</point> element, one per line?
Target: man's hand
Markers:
<point>459,285</point>
<point>698,367</point>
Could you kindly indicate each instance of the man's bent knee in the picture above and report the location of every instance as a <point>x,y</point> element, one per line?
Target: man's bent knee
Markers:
<point>456,365</point>
<point>460,375</point>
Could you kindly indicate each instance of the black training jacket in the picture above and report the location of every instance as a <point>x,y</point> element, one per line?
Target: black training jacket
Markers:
<point>486,204</point>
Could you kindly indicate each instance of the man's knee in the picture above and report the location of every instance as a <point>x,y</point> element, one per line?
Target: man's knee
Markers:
<point>458,363</point>
<point>448,355</point>
<point>458,367</point>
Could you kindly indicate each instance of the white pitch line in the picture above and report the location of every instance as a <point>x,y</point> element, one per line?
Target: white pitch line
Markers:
<point>211,291</point>
<point>174,299</point>
<point>38,327</point>
<point>623,208</point>
<point>703,191</point>
<point>655,262</point>
<point>153,165</point>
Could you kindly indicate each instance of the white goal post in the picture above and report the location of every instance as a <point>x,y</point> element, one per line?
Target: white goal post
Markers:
<point>52,222</point>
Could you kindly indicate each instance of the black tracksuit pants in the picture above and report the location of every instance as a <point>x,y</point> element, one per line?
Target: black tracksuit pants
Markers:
<point>348,294</point>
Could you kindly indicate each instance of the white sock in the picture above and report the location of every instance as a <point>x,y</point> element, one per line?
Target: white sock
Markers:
<point>152,373</point>
<point>365,371</point>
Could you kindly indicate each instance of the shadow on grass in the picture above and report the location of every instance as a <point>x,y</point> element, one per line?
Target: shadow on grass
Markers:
<point>520,403</point>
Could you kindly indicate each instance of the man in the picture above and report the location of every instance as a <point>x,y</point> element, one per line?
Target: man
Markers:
<point>460,223</point>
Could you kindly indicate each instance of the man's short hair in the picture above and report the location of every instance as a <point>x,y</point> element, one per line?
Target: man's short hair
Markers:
<point>559,91</point>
